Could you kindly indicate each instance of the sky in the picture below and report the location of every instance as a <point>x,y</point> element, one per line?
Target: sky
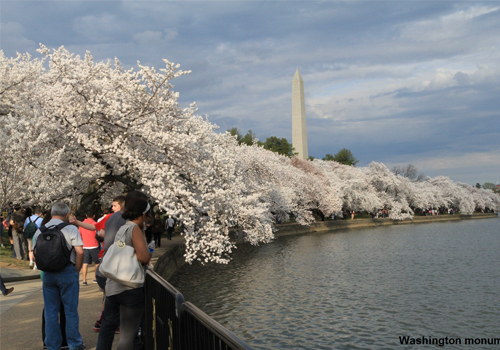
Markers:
<point>396,82</point>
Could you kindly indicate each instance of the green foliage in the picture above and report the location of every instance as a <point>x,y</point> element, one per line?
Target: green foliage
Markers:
<point>281,146</point>
<point>237,133</point>
<point>328,157</point>
<point>247,139</point>
<point>344,156</point>
<point>478,185</point>
<point>273,143</point>
<point>311,158</point>
<point>489,186</point>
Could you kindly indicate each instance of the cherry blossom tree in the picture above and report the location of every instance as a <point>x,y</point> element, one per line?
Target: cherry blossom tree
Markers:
<point>71,124</point>
<point>98,123</point>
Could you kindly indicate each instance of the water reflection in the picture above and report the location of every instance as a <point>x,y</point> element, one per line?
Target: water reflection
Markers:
<point>358,289</point>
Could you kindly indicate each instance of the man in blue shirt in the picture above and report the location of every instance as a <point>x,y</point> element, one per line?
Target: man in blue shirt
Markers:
<point>37,219</point>
<point>63,286</point>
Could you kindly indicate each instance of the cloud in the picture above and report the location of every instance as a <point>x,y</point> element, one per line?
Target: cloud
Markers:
<point>150,37</point>
<point>419,79</point>
<point>471,167</point>
<point>12,36</point>
<point>100,28</point>
<point>446,27</point>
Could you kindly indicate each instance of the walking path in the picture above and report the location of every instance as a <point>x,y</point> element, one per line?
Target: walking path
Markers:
<point>21,311</point>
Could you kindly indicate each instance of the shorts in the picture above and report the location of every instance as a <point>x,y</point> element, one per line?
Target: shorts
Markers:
<point>90,255</point>
<point>30,244</point>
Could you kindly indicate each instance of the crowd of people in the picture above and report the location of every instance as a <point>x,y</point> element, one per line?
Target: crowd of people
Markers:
<point>61,246</point>
<point>383,213</point>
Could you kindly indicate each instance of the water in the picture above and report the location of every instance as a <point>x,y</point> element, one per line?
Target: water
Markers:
<point>359,289</point>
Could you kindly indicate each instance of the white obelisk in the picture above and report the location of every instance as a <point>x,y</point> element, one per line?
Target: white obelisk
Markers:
<point>299,131</point>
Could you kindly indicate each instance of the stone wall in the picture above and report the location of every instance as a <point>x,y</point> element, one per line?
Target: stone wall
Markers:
<point>170,261</point>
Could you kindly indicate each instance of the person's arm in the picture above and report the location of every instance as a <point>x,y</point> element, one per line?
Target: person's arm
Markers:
<point>140,246</point>
<point>79,257</point>
<point>101,233</point>
<point>74,221</point>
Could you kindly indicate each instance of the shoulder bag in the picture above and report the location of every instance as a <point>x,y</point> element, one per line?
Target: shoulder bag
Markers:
<point>120,263</point>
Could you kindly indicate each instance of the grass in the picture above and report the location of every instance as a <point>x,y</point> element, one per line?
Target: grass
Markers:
<point>5,255</point>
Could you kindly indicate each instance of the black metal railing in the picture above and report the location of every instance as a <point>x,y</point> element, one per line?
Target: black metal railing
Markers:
<point>172,324</point>
<point>161,322</point>
<point>202,332</point>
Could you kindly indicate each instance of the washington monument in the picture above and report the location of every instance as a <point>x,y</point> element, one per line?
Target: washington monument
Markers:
<point>299,131</point>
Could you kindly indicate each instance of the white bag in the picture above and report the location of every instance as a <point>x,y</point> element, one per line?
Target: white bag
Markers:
<point>120,262</point>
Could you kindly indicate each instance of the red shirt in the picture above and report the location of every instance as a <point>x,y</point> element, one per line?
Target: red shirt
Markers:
<point>88,236</point>
<point>100,225</point>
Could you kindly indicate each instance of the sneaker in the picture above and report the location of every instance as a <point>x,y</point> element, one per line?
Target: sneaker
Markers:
<point>8,291</point>
<point>35,268</point>
<point>94,281</point>
<point>84,283</point>
<point>31,264</point>
<point>97,326</point>
<point>117,330</point>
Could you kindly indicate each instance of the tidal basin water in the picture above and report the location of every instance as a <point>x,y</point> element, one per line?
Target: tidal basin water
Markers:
<point>358,289</point>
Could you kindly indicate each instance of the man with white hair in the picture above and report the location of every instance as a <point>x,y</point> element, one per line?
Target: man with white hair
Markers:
<point>60,285</point>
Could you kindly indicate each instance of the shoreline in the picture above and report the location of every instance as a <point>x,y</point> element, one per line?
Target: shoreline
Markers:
<point>173,258</point>
<point>332,225</point>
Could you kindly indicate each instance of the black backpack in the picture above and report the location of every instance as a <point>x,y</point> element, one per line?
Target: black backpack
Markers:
<point>51,249</point>
<point>30,229</point>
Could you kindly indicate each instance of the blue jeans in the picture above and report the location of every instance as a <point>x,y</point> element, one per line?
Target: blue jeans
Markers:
<point>61,287</point>
<point>126,311</point>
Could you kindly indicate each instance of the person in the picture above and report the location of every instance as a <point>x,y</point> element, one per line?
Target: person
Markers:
<point>170,227</point>
<point>90,246</point>
<point>17,222</point>
<point>124,306</point>
<point>111,226</point>
<point>157,230</point>
<point>62,318</point>
<point>37,219</point>
<point>6,224</point>
<point>352,215</point>
<point>149,230</point>
<point>5,291</point>
<point>62,286</point>
<point>2,228</point>
<point>100,226</point>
